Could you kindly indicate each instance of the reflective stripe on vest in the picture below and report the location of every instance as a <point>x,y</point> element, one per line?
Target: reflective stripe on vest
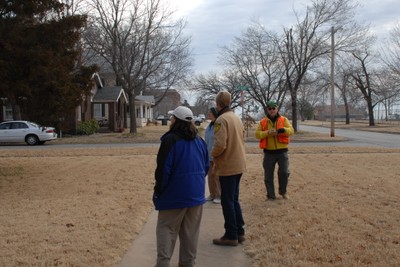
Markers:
<point>282,138</point>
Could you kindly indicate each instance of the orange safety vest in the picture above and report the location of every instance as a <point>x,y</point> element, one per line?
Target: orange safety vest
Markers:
<point>282,138</point>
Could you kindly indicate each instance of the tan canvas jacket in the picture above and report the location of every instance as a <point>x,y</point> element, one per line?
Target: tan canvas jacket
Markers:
<point>229,150</point>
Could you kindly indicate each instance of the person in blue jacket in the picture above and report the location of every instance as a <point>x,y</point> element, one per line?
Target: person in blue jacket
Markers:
<point>214,186</point>
<point>179,191</point>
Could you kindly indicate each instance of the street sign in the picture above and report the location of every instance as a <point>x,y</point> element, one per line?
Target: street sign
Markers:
<point>242,88</point>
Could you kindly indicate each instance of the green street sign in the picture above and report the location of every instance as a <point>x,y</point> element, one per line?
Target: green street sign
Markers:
<point>242,88</point>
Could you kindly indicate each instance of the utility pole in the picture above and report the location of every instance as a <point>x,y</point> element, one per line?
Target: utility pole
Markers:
<point>332,81</point>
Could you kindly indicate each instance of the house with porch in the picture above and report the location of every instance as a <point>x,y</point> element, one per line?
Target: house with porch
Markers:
<point>144,105</point>
<point>108,104</point>
<point>110,107</point>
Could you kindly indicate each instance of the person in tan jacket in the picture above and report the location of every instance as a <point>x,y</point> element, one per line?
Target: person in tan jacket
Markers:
<point>230,163</point>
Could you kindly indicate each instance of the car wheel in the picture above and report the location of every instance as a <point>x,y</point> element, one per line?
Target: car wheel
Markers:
<point>32,140</point>
<point>197,123</point>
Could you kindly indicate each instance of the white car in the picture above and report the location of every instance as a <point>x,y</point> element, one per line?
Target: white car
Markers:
<point>25,131</point>
<point>197,121</point>
<point>202,117</point>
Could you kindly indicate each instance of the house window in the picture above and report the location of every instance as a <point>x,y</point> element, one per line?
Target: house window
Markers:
<point>8,114</point>
<point>97,111</point>
<point>100,111</point>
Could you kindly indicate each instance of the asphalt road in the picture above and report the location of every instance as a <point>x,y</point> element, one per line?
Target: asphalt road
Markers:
<point>354,138</point>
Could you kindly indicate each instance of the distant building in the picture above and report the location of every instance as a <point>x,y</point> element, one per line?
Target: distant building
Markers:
<point>164,101</point>
<point>323,113</point>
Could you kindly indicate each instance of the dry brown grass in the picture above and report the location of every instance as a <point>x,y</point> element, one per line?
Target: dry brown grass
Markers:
<point>343,210</point>
<point>83,207</point>
<point>72,207</point>
<point>152,134</point>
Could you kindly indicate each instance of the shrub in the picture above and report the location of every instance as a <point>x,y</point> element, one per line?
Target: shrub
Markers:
<point>88,127</point>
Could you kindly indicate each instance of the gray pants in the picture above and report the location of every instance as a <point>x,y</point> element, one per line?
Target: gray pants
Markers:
<point>185,223</point>
<point>270,160</point>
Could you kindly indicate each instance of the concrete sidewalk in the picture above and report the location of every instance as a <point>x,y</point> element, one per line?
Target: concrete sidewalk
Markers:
<point>143,251</point>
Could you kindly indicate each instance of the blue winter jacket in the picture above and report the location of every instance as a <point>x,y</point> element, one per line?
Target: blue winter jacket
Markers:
<point>209,138</point>
<point>182,165</point>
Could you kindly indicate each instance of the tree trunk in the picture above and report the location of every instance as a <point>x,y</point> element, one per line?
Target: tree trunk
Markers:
<point>132,113</point>
<point>371,114</point>
<point>346,106</point>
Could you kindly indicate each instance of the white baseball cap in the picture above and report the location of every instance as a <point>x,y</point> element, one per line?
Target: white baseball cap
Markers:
<point>183,113</point>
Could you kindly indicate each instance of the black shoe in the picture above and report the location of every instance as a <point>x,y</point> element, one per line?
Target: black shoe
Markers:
<point>270,198</point>
<point>241,238</point>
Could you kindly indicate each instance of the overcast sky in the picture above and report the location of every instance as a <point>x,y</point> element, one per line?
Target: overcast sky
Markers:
<point>214,23</point>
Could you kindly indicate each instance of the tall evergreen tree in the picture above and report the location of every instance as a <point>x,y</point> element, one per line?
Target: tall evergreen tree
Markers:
<point>39,59</point>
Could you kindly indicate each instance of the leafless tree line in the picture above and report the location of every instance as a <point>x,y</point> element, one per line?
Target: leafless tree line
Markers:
<point>291,66</point>
<point>139,41</point>
<point>144,46</point>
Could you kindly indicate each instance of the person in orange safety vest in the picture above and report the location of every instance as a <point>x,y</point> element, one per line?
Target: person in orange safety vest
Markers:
<point>273,132</point>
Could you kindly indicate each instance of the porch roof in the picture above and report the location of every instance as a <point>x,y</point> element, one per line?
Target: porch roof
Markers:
<point>109,94</point>
<point>146,99</point>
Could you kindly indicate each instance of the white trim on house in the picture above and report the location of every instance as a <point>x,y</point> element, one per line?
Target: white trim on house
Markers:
<point>144,109</point>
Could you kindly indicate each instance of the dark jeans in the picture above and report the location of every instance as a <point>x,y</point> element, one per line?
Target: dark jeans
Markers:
<point>234,222</point>
<point>269,163</point>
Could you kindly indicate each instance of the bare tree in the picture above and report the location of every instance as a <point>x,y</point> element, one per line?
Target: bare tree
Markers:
<point>75,6</point>
<point>374,80</point>
<point>209,85</point>
<point>255,58</point>
<point>391,77</point>
<point>387,89</point>
<point>310,92</point>
<point>344,68</point>
<point>363,82</point>
<point>343,83</point>
<point>142,44</point>
<point>308,40</point>
<point>391,51</point>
